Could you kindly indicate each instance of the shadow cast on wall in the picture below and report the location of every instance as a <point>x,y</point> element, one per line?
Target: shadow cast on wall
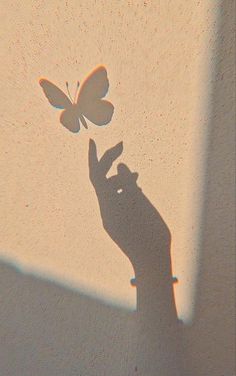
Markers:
<point>210,341</point>
<point>138,229</point>
<point>49,330</point>
<point>53,331</point>
<point>87,103</point>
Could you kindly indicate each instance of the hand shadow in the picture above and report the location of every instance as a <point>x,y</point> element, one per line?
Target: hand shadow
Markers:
<point>138,229</point>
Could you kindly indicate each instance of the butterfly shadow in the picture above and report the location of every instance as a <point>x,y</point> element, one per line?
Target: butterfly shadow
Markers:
<point>87,104</point>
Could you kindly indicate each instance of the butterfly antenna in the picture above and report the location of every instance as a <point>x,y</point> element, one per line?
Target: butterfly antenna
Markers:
<point>76,91</point>
<point>67,86</point>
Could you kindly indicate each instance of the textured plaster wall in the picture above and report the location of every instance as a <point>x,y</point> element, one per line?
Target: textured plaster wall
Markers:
<point>67,252</point>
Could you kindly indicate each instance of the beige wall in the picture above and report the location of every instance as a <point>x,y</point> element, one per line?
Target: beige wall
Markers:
<point>67,306</point>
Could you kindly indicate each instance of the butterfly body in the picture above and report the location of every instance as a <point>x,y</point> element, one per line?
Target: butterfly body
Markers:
<point>88,104</point>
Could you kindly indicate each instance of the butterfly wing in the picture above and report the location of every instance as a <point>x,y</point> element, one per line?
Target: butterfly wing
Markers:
<point>55,95</point>
<point>69,118</point>
<point>98,112</point>
<point>90,101</point>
